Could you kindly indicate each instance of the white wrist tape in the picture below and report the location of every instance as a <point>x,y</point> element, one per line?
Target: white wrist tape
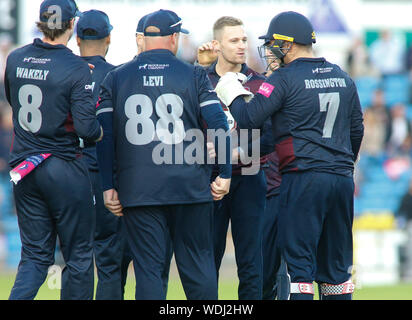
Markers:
<point>336,289</point>
<point>229,88</point>
<point>301,287</point>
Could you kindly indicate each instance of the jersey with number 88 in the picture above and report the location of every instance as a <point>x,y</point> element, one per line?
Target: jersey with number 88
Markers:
<point>140,128</point>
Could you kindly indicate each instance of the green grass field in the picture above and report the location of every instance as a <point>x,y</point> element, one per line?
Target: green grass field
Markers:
<point>227,291</point>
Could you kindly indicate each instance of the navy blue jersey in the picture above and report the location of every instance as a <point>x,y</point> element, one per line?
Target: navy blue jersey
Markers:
<point>49,90</point>
<point>316,116</point>
<point>101,69</point>
<point>254,80</point>
<point>154,101</point>
<point>273,177</point>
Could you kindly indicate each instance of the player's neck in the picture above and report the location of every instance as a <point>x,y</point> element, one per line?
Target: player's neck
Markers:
<point>302,54</point>
<point>223,66</point>
<point>92,52</point>
<point>62,40</point>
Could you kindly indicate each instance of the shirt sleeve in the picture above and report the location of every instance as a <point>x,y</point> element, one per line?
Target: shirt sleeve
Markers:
<point>267,143</point>
<point>83,107</point>
<point>105,148</point>
<point>357,127</point>
<point>268,99</point>
<point>212,112</point>
<point>6,84</point>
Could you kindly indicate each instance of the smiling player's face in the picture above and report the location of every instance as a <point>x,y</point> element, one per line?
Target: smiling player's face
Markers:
<point>233,44</point>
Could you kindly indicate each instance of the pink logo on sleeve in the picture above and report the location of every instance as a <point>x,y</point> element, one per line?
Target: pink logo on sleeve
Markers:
<point>266,89</point>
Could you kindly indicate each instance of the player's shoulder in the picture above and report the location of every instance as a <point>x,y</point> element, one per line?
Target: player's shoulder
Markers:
<point>127,67</point>
<point>70,65</point>
<point>22,53</point>
<point>184,65</point>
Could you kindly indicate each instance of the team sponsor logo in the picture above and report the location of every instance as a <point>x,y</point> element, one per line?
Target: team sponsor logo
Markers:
<point>306,288</point>
<point>23,167</point>
<point>155,66</point>
<point>36,60</point>
<point>322,70</point>
<point>266,89</point>
<point>90,86</point>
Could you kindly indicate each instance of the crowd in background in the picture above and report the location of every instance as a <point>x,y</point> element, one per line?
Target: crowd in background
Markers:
<point>388,130</point>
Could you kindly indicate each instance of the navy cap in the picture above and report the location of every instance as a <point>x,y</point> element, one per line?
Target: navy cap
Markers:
<point>140,25</point>
<point>290,26</point>
<point>67,8</point>
<point>95,20</point>
<point>166,21</point>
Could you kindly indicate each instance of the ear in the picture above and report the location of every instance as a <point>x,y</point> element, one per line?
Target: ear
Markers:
<point>175,38</point>
<point>109,39</point>
<point>72,23</point>
<point>78,40</point>
<point>216,45</point>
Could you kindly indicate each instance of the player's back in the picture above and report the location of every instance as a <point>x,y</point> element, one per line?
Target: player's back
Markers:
<point>313,127</point>
<point>157,100</point>
<point>49,90</point>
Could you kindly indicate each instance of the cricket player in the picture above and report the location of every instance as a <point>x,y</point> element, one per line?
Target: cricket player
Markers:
<point>244,205</point>
<point>49,90</point>
<point>318,128</point>
<point>93,38</point>
<point>127,256</point>
<point>152,108</point>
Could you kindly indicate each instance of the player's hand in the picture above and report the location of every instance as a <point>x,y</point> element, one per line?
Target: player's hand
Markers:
<point>206,54</point>
<point>273,64</point>
<point>101,135</point>
<point>211,150</point>
<point>230,87</point>
<point>237,153</point>
<point>112,202</point>
<point>220,187</point>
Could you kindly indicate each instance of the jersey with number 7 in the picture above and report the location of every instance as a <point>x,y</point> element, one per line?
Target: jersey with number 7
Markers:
<point>316,116</point>
<point>49,89</point>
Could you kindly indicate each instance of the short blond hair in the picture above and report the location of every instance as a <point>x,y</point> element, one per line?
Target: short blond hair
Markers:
<point>225,21</point>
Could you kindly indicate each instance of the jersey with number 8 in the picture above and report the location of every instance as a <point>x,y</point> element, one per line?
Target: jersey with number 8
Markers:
<point>52,102</point>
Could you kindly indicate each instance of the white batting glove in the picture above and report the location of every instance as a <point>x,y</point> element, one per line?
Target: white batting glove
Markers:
<point>229,88</point>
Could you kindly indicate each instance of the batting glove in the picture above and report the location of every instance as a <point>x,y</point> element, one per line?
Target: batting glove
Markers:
<point>230,87</point>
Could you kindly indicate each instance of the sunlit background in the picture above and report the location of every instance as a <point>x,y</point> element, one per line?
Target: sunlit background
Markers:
<point>369,39</point>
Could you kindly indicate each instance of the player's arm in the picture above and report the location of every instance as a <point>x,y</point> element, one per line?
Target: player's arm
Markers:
<point>267,143</point>
<point>6,84</point>
<point>82,106</point>
<point>212,113</point>
<point>105,148</point>
<point>357,128</point>
<point>252,114</point>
